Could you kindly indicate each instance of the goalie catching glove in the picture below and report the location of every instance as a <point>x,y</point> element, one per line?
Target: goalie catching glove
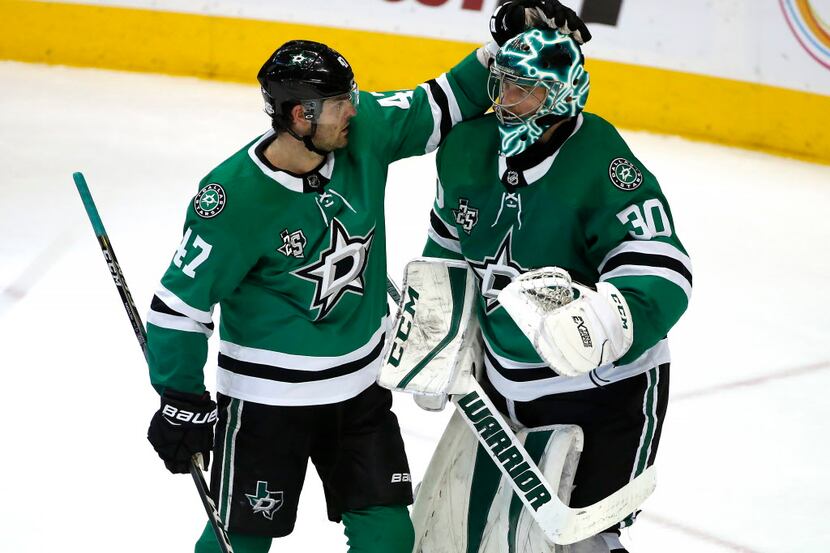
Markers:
<point>574,328</point>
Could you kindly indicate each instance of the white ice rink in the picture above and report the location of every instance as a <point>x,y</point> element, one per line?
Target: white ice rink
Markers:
<point>743,460</point>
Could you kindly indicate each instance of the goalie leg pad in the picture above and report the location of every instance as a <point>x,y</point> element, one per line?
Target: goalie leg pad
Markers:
<point>465,503</point>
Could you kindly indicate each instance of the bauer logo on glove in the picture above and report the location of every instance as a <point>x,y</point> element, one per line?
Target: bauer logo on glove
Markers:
<point>573,328</point>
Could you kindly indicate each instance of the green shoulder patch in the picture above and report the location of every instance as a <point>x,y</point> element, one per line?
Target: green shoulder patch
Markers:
<point>624,174</point>
<point>210,201</point>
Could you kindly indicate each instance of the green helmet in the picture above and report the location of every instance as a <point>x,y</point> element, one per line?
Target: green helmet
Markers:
<point>540,63</point>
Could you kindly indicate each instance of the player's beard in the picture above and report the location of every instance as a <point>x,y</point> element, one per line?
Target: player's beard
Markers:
<point>329,139</point>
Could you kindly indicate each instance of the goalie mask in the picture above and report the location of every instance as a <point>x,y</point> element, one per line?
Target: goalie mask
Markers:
<point>536,80</point>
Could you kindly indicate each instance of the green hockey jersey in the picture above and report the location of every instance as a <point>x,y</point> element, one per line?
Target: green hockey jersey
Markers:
<point>297,263</point>
<point>582,202</point>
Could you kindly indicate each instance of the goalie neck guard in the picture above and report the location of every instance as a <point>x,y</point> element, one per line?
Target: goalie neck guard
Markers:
<point>542,64</point>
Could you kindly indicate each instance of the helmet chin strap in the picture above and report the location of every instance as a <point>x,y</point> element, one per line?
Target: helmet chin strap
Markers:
<point>307,142</point>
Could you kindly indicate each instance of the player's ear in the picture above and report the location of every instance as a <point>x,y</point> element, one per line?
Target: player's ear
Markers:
<point>297,117</point>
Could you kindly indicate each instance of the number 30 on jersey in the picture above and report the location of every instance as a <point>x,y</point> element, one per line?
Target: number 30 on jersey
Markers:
<point>647,221</point>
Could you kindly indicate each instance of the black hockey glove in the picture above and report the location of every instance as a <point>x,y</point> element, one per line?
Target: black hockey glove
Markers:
<point>181,428</point>
<point>516,16</point>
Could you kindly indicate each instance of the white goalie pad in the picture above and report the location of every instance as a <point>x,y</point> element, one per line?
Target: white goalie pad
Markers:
<point>435,333</point>
<point>466,504</point>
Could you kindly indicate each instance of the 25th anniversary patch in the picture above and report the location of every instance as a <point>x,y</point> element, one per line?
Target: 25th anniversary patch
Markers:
<point>210,201</point>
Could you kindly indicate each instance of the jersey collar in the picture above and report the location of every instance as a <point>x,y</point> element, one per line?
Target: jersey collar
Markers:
<point>313,181</point>
<point>518,171</point>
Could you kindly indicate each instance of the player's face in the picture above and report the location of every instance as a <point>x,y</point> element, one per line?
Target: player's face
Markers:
<point>333,125</point>
<point>521,101</point>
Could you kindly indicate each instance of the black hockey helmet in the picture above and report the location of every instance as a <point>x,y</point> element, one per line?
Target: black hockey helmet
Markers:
<point>304,72</point>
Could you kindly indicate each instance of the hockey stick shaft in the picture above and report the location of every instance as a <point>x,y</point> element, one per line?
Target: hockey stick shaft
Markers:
<point>141,336</point>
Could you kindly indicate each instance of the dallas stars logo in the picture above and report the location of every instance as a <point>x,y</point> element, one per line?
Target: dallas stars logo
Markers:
<point>339,269</point>
<point>263,502</point>
<point>210,201</point>
<point>624,174</point>
<point>495,273</point>
<point>465,215</point>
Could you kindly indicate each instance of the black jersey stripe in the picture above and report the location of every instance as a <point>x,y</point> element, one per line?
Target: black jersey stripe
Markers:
<point>520,375</point>
<point>647,260</point>
<point>440,227</point>
<point>294,376</point>
<point>443,103</point>
<point>159,306</point>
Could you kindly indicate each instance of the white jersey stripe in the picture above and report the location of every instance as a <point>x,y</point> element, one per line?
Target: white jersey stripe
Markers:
<point>639,270</point>
<point>455,111</point>
<point>175,303</point>
<point>319,392</point>
<point>172,322</point>
<point>607,374</point>
<point>435,136</point>
<point>648,247</point>
<point>446,243</point>
<point>299,362</point>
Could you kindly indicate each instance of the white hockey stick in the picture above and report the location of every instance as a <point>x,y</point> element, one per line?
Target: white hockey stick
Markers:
<point>561,524</point>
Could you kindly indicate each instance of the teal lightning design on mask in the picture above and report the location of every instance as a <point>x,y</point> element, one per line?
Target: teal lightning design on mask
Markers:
<point>537,58</point>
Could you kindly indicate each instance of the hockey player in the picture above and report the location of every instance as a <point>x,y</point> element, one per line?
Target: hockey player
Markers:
<point>539,184</point>
<point>287,236</point>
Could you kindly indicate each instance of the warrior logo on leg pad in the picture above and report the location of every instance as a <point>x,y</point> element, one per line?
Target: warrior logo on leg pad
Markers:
<point>264,501</point>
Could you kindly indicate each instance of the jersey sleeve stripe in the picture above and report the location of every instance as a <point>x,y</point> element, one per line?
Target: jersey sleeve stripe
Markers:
<point>647,260</point>
<point>442,228</point>
<point>638,270</point>
<point>446,243</point>
<point>179,306</point>
<point>435,137</point>
<point>455,110</point>
<point>651,247</point>
<point>173,322</point>
<point>442,120</point>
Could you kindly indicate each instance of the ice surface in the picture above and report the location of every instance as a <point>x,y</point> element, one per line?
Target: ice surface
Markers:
<point>742,464</point>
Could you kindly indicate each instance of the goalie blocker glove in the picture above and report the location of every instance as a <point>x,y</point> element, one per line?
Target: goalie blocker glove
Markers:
<point>182,428</point>
<point>517,16</point>
<point>593,329</point>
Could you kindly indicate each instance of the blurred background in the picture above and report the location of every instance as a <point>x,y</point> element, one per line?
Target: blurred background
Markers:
<point>727,103</point>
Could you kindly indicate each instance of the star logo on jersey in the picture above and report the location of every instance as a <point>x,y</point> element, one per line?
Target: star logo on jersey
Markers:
<point>339,269</point>
<point>624,174</point>
<point>495,273</point>
<point>465,215</point>
<point>264,501</point>
<point>293,243</point>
